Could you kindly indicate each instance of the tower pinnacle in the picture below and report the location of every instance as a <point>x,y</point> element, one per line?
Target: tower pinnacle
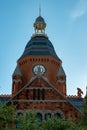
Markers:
<point>39,24</point>
<point>39,10</point>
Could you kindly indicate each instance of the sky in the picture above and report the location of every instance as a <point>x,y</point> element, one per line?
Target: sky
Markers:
<point>66,28</point>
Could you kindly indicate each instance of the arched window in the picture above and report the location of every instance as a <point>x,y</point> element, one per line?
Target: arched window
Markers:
<point>13,86</point>
<point>19,83</point>
<point>57,115</point>
<point>47,116</point>
<point>43,94</point>
<point>34,94</point>
<point>38,95</point>
<point>19,115</point>
<point>39,117</point>
<point>27,94</point>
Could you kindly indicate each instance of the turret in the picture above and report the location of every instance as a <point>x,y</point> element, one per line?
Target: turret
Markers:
<point>61,80</point>
<point>16,80</point>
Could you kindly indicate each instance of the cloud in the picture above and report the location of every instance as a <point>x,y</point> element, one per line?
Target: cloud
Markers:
<point>79,9</point>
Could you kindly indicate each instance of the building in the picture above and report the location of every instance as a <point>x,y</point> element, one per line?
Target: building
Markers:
<point>39,80</point>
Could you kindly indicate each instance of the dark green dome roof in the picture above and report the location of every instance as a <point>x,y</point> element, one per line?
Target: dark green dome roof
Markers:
<point>39,45</point>
<point>40,19</point>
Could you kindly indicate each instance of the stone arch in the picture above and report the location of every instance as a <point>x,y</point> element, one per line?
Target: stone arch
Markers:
<point>20,112</point>
<point>59,114</point>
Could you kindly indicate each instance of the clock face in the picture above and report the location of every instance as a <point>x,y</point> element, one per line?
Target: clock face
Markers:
<point>39,70</point>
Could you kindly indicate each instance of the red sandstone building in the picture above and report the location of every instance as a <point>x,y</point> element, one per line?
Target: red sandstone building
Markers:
<point>39,81</point>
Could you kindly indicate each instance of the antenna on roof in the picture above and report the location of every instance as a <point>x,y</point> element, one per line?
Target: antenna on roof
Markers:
<point>39,10</point>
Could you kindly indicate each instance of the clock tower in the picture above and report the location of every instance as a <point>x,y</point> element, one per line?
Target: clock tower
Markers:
<point>39,81</point>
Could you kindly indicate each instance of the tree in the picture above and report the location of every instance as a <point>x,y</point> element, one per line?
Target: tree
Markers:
<point>55,124</point>
<point>7,116</point>
<point>84,113</point>
<point>28,121</point>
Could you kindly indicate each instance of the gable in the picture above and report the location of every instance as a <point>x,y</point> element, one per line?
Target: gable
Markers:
<point>40,84</point>
<point>52,94</point>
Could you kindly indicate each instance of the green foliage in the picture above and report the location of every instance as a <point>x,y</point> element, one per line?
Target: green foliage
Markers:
<point>84,113</point>
<point>55,124</point>
<point>7,116</point>
<point>28,121</point>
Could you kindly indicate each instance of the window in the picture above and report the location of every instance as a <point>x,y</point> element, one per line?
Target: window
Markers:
<point>38,94</point>
<point>43,94</point>
<point>57,116</point>
<point>39,117</point>
<point>13,86</point>
<point>47,116</point>
<point>18,124</point>
<point>27,94</point>
<point>19,84</point>
<point>34,94</point>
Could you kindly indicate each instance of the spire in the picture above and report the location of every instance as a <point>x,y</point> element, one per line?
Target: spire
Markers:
<point>17,71</point>
<point>39,10</point>
<point>61,72</point>
<point>39,24</point>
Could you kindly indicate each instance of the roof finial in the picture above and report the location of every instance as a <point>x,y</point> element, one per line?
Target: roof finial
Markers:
<point>39,24</point>
<point>39,10</point>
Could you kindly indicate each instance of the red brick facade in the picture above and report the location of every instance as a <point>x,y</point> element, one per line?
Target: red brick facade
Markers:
<point>43,93</point>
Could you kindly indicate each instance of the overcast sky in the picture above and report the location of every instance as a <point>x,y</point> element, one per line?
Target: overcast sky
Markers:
<point>66,28</point>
